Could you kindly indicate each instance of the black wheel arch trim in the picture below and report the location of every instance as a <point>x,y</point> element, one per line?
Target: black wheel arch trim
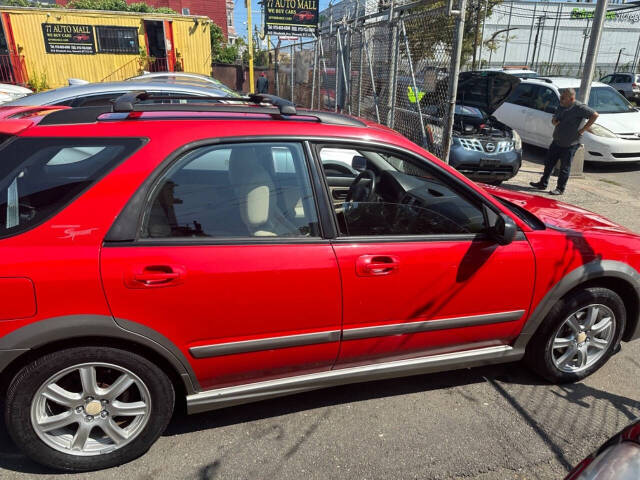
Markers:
<point>44,332</point>
<point>597,269</point>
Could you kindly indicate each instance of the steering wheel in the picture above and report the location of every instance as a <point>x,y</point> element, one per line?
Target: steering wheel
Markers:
<point>359,192</point>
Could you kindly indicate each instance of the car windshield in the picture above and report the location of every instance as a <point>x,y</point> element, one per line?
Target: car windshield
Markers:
<point>607,100</point>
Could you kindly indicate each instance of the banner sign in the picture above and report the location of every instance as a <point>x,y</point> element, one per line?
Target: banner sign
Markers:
<point>291,17</point>
<point>64,38</point>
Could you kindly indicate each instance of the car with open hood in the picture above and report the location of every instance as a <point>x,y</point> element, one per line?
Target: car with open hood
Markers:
<point>214,254</point>
<point>482,147</point>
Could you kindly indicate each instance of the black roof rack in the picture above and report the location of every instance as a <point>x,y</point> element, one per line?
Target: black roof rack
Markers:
<point>544,79</point>
<point>261,104</point>
<point>129,102</point>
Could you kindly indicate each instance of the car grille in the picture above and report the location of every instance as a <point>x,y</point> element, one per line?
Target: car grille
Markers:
<point>476,145</point>
<point>626,155</point>
<point>629,136</point>
<point>474,167</point>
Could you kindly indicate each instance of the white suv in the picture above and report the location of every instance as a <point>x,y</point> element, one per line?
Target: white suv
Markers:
<point>615,136</point>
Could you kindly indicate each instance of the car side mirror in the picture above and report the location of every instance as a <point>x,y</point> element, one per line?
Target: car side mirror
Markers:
<point>502,228</point>
<point>359,163</point>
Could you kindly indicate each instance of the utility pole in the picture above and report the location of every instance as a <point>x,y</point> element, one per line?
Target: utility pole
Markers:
<point>475,39</point>
<point>454,70</point>
<point>535,42</point>
<point>618,60</point>
<point>586,34</point>
<point>484,19</point>
<point>590,61</point>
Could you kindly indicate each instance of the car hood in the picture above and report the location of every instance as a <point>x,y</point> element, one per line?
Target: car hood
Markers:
<point>559,215</point>
<point>485,90</point>
<point>628,122</point>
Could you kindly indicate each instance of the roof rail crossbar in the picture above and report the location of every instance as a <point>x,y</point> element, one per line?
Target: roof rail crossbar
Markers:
<point>127,102</point>
<point>285,106</point>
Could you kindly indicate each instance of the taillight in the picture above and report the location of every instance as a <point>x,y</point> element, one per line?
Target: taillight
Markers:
<point>634,85</point>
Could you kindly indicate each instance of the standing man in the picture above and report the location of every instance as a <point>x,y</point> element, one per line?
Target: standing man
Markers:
<point>263,83</point>
<point>566,138</point>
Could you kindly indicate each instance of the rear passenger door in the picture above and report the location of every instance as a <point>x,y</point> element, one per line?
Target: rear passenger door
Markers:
<point>228,262</point>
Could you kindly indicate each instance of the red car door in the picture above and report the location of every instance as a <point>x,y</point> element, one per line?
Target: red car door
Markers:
<point>418,274</point>
<point>229,265</point>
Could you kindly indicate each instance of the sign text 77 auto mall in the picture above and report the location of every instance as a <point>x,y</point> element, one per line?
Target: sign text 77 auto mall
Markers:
<point>291,17</point>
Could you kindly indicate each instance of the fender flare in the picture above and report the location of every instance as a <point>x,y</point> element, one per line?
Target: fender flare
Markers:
<point>41,333</point>
<point>590,271</point>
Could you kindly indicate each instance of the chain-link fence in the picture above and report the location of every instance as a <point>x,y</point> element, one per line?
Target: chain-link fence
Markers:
<point>390,63</point>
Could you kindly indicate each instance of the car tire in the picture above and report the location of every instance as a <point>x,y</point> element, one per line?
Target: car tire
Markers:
<point>104,390</point>
<point>550,353</point>
<point>496,183</point>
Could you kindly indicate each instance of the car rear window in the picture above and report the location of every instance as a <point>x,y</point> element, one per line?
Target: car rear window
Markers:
<point>41,176</point>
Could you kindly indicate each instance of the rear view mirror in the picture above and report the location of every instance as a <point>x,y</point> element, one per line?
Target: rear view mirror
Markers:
<point>359,163</point>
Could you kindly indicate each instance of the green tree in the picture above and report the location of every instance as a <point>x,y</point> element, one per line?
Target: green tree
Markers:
<point>221,51</point>
<point>116,6</point>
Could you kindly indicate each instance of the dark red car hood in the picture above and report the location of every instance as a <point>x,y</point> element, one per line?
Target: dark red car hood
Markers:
<point>557,214</point>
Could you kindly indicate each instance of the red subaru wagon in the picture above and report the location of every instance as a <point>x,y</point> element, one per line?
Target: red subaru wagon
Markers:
<point>226,253</point>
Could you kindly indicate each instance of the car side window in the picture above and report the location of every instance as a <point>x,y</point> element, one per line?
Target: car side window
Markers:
<point>607,79</point>
<point>523,95</point>
<point>237,190</point>
<point>398,196</point>
<point>546,100</point>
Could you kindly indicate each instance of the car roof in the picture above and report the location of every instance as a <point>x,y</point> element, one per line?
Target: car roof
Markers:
<point>60,94</point>
<point>560,82</point>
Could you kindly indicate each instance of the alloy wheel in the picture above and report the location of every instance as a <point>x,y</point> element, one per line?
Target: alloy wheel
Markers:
<point>90,409</point>
<point>583,338</point>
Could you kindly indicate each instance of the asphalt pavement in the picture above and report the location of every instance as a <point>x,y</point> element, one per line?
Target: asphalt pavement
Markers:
<point>494,423</point>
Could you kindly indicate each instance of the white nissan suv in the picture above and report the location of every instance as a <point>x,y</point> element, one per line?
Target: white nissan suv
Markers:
<point>615,137</point>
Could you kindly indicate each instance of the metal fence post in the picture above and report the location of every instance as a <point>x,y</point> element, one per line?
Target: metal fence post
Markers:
<point>292,79</point>
<point>360,76</point>
<point>394,66</point>
<point>344,73</point>
<point>373,81</point>
<point>413,81</point>
<point>337,83</point>
<point>454,70</point>
<point>315,69</point>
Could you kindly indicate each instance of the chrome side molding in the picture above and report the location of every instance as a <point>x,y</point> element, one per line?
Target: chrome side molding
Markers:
<point>430,325</point>
<point>272,343</point>
<point>228,396</point>
<point>404,328</point>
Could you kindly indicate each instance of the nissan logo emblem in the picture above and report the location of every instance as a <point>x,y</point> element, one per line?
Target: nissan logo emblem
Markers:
<point>490,147</point>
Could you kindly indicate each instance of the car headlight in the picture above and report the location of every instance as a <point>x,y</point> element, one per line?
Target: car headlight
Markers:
<point>600,131</point>
<point>517,141</point>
